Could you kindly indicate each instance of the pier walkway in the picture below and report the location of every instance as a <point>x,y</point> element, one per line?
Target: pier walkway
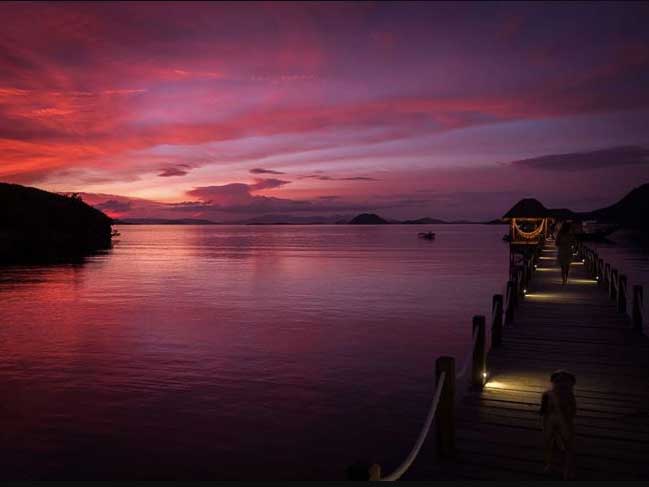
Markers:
<point>492,431</point>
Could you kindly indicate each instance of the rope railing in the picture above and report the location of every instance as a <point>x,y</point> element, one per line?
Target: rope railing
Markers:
<point>405,465</point>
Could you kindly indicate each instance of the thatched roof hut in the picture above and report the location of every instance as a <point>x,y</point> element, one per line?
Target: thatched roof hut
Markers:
<point>527,208</point>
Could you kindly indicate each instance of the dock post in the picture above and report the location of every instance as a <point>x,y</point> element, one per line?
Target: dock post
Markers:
<point>524,278</point>
<point>515,290</point>
<point>509,312</point>
<point>497,325</point>
<point>479,366</point>
<point>607,275</point>
<point>612,285</point>
<point>600,271</point>
<point>621,294</point>
<point>595,261</point>
<point>445,417</point>
<point>637,308</point>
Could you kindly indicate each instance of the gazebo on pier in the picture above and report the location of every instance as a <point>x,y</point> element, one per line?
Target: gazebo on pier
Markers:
<point>528,227</point>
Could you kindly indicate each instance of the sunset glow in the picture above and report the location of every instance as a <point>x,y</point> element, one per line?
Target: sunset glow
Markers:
<point>227,111</point>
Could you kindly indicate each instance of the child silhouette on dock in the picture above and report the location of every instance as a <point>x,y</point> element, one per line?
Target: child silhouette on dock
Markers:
<point>558,410</point>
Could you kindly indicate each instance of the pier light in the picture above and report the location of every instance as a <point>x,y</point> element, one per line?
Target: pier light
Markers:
<point>524,291</point>
<point>484,375</point>
<point>583,260</point>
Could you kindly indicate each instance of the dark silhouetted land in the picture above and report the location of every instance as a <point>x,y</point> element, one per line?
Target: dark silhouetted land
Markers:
<point>36,225</point>
<point>368,219</point>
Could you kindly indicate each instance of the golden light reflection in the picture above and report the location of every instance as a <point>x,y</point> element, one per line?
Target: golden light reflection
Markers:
<point>548,269</point>
<point>493,384</point>
<point>581,281</point>
<point>547,258</point>
<point>540,296</point>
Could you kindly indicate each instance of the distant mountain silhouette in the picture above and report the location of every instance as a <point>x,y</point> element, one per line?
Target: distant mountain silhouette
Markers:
<point>632,211</point>
<point>36,225</point>
<point>293,220</point>
<point>163,221</point>
<point>424,221</point>
<point>367,219</point>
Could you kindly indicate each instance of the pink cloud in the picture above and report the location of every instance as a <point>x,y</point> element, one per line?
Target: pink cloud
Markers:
<point>112,94</point>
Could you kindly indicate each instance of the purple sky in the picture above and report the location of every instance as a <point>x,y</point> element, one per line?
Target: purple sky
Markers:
<point>230,111</point>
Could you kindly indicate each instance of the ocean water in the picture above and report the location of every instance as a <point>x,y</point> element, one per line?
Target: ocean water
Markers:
<point>236,352</point>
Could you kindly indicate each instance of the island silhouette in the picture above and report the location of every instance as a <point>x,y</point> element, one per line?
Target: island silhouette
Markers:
<point>37,225</point>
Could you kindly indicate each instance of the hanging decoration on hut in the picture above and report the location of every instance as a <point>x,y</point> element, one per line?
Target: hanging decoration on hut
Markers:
<point>529,235</point>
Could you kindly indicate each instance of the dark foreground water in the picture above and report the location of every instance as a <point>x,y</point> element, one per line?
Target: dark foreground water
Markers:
<point>236,352</point>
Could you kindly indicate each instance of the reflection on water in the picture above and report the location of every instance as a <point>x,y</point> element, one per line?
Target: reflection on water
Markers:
<point>235,351</point>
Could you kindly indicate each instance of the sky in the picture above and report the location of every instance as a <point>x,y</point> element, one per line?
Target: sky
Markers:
<point>231,111</point>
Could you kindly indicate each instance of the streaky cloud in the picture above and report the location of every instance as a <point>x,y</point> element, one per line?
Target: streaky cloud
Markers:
<point>579,161</point>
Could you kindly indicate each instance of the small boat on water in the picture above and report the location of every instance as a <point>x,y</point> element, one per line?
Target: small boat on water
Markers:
<point>427,235</point>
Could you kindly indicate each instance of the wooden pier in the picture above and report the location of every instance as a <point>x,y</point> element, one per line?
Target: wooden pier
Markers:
<point>490,429</point>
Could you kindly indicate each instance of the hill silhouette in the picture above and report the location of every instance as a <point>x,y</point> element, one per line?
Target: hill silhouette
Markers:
<point>367,219</point>
<point>424,221</point>
<point>632,211</point>
<point>36,225</point>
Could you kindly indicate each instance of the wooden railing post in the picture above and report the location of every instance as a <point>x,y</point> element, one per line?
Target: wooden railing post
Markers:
<point>524,277</point>
<point>607,275</point>
<point>637,308</point>
<point>445,417</point>
<point>497,325</point>
<point>479,366</point>
<point>621,294</point>
<point>612,286</point>
<point>600,271</point>
<point>509,312</point>
<point>363,471</point>
<point>515,290</point>
<point>595,262</point>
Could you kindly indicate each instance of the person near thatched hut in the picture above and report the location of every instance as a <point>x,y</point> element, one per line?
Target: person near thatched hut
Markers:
<point>565,241</point>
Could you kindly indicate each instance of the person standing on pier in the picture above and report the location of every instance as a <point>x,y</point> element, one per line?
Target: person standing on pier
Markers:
<point>565,240</point>
<point>558,411</point>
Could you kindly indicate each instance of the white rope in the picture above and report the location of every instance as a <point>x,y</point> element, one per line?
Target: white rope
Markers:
<point>468,359</point>
<point>396,475</point>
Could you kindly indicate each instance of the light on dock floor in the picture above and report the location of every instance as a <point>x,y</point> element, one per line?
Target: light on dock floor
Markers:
<point>581,281</point>
<point>548,269</point>
<point>547,258</point>
<point>541,296</point>
<point>492,384</point>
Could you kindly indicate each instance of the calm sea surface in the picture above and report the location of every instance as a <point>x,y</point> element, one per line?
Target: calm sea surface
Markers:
<point>237,352</point>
